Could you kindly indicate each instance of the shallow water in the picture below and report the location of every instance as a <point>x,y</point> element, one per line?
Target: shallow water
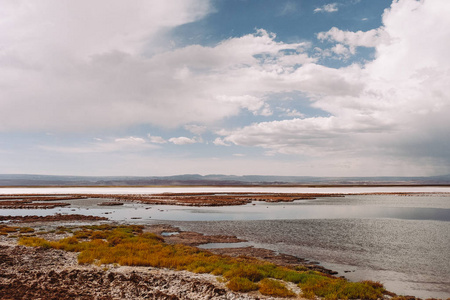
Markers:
<point>402,241</point>
<point>409,257</point>
<point>268,189</point>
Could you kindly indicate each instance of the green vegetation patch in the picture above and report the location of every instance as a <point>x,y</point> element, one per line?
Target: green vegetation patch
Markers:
<point>273,287</point>
<point>240,284</point>
<point>5,229</point>
<point>313,284</point>
<point>129,245</point>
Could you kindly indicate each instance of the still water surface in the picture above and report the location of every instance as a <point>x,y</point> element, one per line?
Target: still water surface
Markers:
<point>402,241</point>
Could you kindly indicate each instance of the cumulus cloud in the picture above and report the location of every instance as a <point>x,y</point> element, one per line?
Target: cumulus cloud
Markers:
<point>54,76</point>
<point>396,112</point>
<point>156,139</point>
<point>291,112</point>
<point>182,140</point>
<point>343,51</point>
<point>196,129</point>
<point>329,8</point>
<point>371,38</point>
<point>220,142</point>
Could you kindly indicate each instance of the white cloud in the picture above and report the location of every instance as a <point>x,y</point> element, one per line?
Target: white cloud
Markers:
<point>393,109</point>
<point>253,104</point>
<point>130,140</point>
<point>329,8</point>
<point>342,51</point>
<point>291,112</point>
<point>196,129</point>
<point>127,144</point>
<point>156,139</point>
<point>371,38</point>
<point>55,77</point>
<point>220,142</point>
<point>113,84</point>
<point>182,140</point>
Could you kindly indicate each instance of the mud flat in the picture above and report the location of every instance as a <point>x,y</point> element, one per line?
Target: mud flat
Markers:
<point>52,218</point>
<point>184,199</point>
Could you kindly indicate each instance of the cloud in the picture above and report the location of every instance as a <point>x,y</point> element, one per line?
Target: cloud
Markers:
<point>342,51</point>
<point>220,142</point>
<point>54,77</point>
<point>112,83</point>
<point>156,139</point>
<point>196,129</point>
<point>288,8</point>
<point>329,8</point>
<point>126,144</point>
<point>371,38</point>
<point>130,140</point>
<point>182,140</point>
<point>393,109</point>
<point>291,112</point>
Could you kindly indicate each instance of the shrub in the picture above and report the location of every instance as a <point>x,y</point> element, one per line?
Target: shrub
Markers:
<point>5,229</point>
<point>34,242</point>
<point>251,272</point>
<point>275,288</point>
<point>26,230</point>
<point>239,284</point>
<point>129,245</point>
<point>313,283</point>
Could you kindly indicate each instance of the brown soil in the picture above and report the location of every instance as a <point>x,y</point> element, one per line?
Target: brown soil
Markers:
<point>187,199</point>
<point>32,197</point>
<point>213,199</point>
<point>53,218</point>
<point>39,273</point>
<point>112,203</point>
<point>190,238</point>
<point>20,204</point>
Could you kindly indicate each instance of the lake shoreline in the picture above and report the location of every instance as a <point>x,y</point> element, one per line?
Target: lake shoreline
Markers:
<point>29,272</point>
<point>205,199</point>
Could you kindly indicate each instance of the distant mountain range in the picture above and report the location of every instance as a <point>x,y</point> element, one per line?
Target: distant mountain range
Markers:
<point>212,180</point>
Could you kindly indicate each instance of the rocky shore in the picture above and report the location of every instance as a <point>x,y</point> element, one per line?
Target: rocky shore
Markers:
<point>41,273</point>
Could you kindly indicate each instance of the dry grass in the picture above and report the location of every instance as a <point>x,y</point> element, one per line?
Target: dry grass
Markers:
<point>129,245</point>
<point>272,287</point>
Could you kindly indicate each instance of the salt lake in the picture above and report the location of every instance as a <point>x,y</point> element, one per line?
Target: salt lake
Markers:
<point>400,240</point>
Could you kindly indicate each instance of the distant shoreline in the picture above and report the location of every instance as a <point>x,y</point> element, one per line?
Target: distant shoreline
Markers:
<point>230,186</point>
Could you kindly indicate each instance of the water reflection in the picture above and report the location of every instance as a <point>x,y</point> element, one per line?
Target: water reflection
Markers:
<point>255,211</point>
<point>408,256</point>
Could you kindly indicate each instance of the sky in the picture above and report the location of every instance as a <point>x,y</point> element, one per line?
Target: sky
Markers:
<point>238,87</point>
